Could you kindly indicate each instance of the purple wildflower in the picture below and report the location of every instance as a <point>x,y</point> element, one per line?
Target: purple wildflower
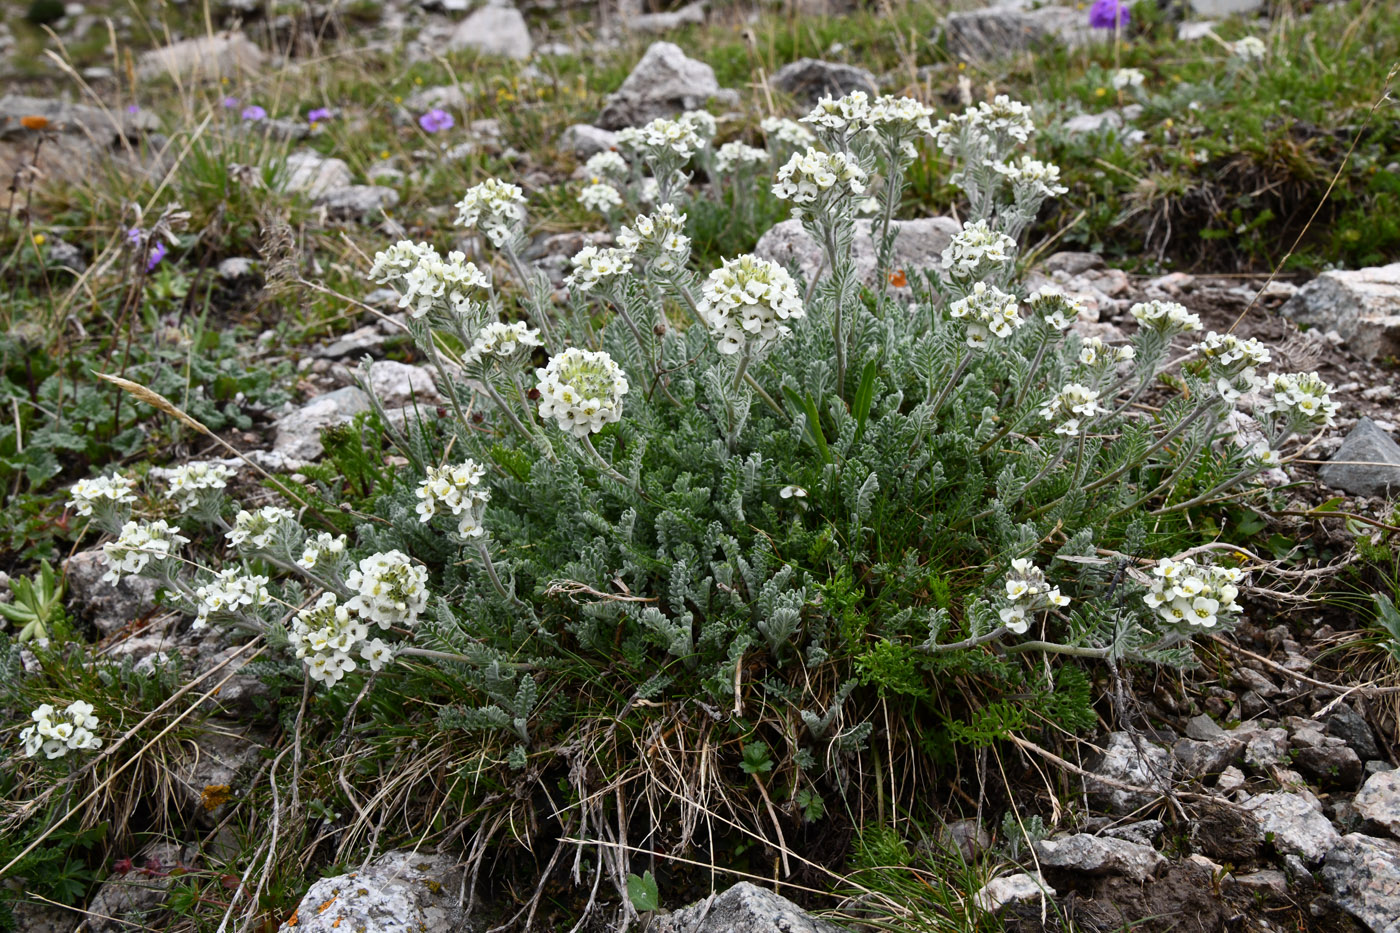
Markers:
<point>319,114</point>
<point>1108,14</point>
<point>132,108</point>
<point>436,120</point>
<point>134,235</point>
<point>157,254</point>
<point>252,113</point>
<point>230,103</point>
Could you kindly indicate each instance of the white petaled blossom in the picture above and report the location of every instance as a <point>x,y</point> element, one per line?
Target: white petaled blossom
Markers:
<point>139,545</point>
<point>581,390</point>
<point>101,492</point>
<point>389,589</point>
<point>1031,179</point>
<point>1058,310</point>
<point>600,197</point>
<point>324,636</point>
<point>1001,121</point>
<point>1027,592</point>
<point>426,278</point>
<point>1183,592</point>
<point>786,133</point>
<point>657,238</point>
<point>1165,317</point>
<point>1303,398</point>
<point>495,209</point>
<point>1071,404</point>
<point>323,549</point>
<point>392,264</point>
<point>193,480</point>
<point>732,157</point>
<point>747,302</point>
<point>230,591</point>
<point>900,120</point>
<point>606,164</point>
<point>662,138</point>
<point>503,342</point>
<point>841,114</point>
<point>975,248</point>
<point>1093,351</point>
<point>456,488</point>
<point>1265,455</point>
<point>377,653</point>
<point>808,175</point>
<point>56,734</point>
<point>1248,50</point>
<point>1125,78</point>
<point>593,264</point>
<point>256,531</point>
<point>988,311</point>
<point>702,122</point>
<point>1233,361</point>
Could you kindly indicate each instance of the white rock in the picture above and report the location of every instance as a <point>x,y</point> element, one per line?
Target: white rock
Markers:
<point>663,83</point>
<point>584,140</point>
<point>1151,769</point>
<point>995,32</point>
<point>1097,855</point>
<point>357,202</point>
<point>494,29</point>
<point>111,607</point>
<point>1294,824</point>
<point>1363,875</point>
<point>918,246</point>
<point>692,14</point>
<point>313,174</point>
<point>400,892</point>
<point>1194,30</point>
<point>1363,305</point>
<point>1379,800</point>
<point>1223,8</point>
<point>1011,889</point>
<point>206,58</point>
<point>744,908</point>
<point>299,432</point>
<point>397,383</point>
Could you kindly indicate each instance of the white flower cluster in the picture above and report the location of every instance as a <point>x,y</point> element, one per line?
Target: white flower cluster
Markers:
<point>1248,50</point>
<point>494,208</point>
<point>138,546</point>
<point>732,157</point>
<point>323,549</point>
<point>988,310</point>
<point>840,114</point>
<point>593,264</point>
<point>1165,317</point>
<point>457,489</point>
<point>581,390</point>
<point>230,591</point>
<point>975,248</point>
<point>102,492</point>
<point>1092,351</point>
<point>389,589</point>
<point>255,531</point>
<point>56,734</point>
<point>1302,397</point>
<point>786,133</point>
<point>326,635</point>
<point>189,482</point>
<point>1185,592</point>
<point>600,197</point>
<point>661,139</point>
<point>1003,120</point>
<point>606,165</point>
<point>702,122</point>
<point>1028,592</point>
<point>808,175</point>
<point>657,238</point>
<point>1233,361</point>
<point>1125,78</point>
<point>900,120</point>
<point>1031,179</point>
<point>502,341</point>
<point>746,303</point>
<point>426,278</point>
<point>1069,405</point>
<point>1051,305</point>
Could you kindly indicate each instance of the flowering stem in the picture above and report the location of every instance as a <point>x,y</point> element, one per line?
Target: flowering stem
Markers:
<point>606,466</point>
<point>1077,651</point>
<point>505,594</point>
<point>412,652</point>
<point>1030,373</point>
<point>687,297</point>
<point>743,369</point>
<point>1163,441</point>
<point>993,635</point>
<point>1210,493</point>
<point>768,399</point>
<point>964,359</point>
<point>532,286</point>
<point>840,275</point>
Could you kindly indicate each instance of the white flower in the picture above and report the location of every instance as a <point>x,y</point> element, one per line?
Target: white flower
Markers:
<point>1302,397</point>
<point>102,492</point>
<point>494,208</point>
<point>1233,361</point>
<point>747,303</point>
<point>792,492</point>
<point>840,113</point>
<point>809,175</point>
<point>988,311</point>
<point>56,734</point>
<point>997,123</point>
<point>657,238</point>
<point>1027,592</point>
<point>324,637</point>
<point>457,489</point>
<point>736,155</point>
<point>228,592</point>
<point>190,481</point>
<point>593,264</point>
<point>1031,179</point>
<point>1054,307</point>
<point>1069,405</point>
<point>581,390</point>
<point>377,653</point>
<point>324,548</point>
<point>502,341</point>
<point>256,531</point>
<point>1248,50</point>
<point>899,121</point>
<point>702,122</point>
<point>1125,78</point>
<point>427,280</point>
<point>662,140</point>
<point>606,165</point>
<point>976,247</point>
<point>600,197</point>
<point>1092,350</point>
<point>389,589</point>
<point>1165,317</point>
<point>139,545</point>
<point>788,134</point>
<point>1193,595</point>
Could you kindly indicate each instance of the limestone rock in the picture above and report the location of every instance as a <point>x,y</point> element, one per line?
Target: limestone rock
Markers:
<point>1294,824</point>
<point>109,606</point>
<point>743,908</point>
<point>1354,467</point>
<point>494,29</point>
<point>994,32</point>
<point>584,140</point>
<point>663,83</point>
<point>299,432</point>
<point>313,174</point>
<point>400,892</point>
<point>692,14</point>
<point>1096,855</point>
<point>1379,800</point>
<point>1333,767</point>
<point>357,202</point>
<point>397,383</point>
<point>810,79</point>
<point>1122,761</point>
<point>1011,889</point>
<point>77,139</point>
<point>1202,758</point>
<point>205,773</point>
<point>1363,305</point>
<point>206,58</point>
<point>135,900</point>
<point>1363,875</point>
<point>918,246</point>
<point>1222,8</point>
